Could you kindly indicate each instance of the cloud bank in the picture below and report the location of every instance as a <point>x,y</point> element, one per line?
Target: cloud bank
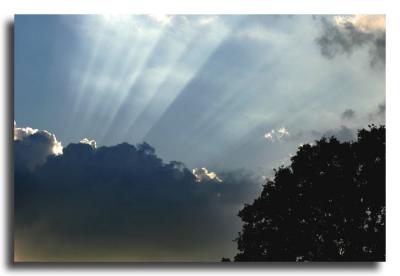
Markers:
<point>122,203</point>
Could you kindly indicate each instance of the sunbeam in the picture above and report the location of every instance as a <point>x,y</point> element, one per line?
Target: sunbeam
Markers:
<point>190,79</point>
<point>121,49</point>
<point>124,89</point>
<point>83,82</point>
<point>185,67</point>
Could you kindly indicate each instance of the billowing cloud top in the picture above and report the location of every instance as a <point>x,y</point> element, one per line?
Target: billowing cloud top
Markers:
<point>33,146</point>
<point>92,143</point>
<point>20,133</point>
<point>202,174</point>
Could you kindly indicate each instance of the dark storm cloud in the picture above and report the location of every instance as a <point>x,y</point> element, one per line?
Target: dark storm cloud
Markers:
<point>348,114</point>
<point>346,37</point>
<point>124,202</point>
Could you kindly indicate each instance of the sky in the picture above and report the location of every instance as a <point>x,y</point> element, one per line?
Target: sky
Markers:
<point>208,105</point>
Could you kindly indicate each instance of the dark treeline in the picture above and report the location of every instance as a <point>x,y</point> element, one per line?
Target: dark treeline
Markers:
<point>328,205</point>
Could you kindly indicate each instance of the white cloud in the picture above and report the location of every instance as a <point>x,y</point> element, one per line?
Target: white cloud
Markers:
<point>20,133</point>
<point>203,174</point>
<point>276,134</point>
<point>24,132</point>
<point>92,143</point>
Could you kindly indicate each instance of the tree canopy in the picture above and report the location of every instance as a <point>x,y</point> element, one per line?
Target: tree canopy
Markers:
<point>327,205</point>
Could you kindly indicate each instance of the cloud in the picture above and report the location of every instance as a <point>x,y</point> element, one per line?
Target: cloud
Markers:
<point>348,114</point>
<point>345,34</point>
<point>382,109</point>
<point>20,133</point>
<point>378,114</point>
<point>92,143</point>
<point>202,174</point>
<point>33,146</point>
<point>276,135</point>
<point>124,203</point>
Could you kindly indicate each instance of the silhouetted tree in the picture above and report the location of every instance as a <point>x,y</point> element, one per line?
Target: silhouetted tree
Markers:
<point>328,205</point>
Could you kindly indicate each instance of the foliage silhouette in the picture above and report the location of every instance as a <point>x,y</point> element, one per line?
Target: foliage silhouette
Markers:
<point>328,205</point>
